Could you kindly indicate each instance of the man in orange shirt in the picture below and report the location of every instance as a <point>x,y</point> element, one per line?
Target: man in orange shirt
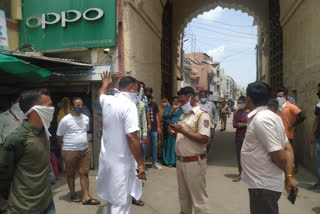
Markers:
<point>291,116</point>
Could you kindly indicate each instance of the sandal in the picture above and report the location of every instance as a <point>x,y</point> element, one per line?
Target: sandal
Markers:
<point>138,202</point>
<point>237,179</point>
<point>75,198</point>
<point>91,201</point>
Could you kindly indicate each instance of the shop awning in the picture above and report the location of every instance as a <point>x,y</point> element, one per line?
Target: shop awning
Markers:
<point>20,69</point>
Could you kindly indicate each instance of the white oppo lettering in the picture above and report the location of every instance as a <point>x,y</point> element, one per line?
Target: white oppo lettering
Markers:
<point>44,20</point>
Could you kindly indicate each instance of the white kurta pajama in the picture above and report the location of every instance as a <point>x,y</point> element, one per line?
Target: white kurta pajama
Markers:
<point>117,180</point>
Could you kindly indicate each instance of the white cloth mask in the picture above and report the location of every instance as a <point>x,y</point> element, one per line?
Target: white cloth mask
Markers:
<point>132,96</point>
<point>241,106</point>
<point>203,100</point>
<point>187,108</point>
<point>176,106</point>
<point>282,103</point>
<point>164,104</point>
<point>46,115</point>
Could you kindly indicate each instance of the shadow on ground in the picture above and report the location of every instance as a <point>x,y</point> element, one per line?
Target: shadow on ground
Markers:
<point>223,152</point>
<point>316,210</point>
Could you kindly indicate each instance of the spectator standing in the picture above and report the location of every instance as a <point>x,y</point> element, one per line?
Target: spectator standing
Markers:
<point>273,105</point>
<point>291,116</point>
<point>162,107</point>
<point>240,122</point>
<point>142,97</point>
<point>224,113</point>
<point>64,109</point>
<point>24,170</point>
<point>72,133</point>
<point>143,135</point>
<point>120,158</point>
<point>315,138</point>
<point>171,115</point>
<point>209,107</point>
<point>10,119</point>
<point>155,128</point>
<point>266,155</point>
<point>143,132</point>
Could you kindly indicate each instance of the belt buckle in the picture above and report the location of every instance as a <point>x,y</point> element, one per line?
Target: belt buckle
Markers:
<point>181,159</point>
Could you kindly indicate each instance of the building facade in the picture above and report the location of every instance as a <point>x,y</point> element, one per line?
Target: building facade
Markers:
<point>148,37</point>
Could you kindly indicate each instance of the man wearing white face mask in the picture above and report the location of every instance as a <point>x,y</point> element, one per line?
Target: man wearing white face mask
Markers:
<point>291,116</point>
<point>192,136</point>
<point>209,107</point>
<point>10,119</point>
<point>118,181</point>
<point>25,160</point>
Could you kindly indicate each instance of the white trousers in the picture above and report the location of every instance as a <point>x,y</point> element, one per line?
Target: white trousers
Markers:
<point>124,209</point>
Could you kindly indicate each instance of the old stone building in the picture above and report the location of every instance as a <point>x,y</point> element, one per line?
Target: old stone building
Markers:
<point>288,46</point>
<point>148,37</point>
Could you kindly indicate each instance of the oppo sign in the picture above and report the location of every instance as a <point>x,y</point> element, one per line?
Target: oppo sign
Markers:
<point>43,21</point>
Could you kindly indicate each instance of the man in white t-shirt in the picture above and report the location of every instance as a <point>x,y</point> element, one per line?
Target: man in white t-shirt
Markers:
<point>266,155</point>
<point>118,181</point>
<point>72,133</point>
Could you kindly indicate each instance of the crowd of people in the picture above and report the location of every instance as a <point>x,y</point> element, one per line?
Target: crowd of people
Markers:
<point>180,132</point>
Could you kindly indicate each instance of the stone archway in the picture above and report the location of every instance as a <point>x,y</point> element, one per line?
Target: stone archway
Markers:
<point>183,11</point>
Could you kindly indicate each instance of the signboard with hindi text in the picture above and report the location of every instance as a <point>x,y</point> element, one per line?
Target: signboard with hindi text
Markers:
<point>61,24</point>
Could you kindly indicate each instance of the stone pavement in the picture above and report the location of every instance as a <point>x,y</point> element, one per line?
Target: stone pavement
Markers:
<point>225,197</point>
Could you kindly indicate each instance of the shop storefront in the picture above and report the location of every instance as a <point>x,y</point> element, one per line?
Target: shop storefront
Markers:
<point>68,80</point>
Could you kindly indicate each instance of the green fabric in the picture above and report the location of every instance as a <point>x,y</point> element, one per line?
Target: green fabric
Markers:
<point>169,153</point>
<point>20,69</point>
<point>24,168</point>
<point>142,119</point>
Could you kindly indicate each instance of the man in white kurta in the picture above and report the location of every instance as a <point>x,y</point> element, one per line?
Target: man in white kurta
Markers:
<point>120,151</point>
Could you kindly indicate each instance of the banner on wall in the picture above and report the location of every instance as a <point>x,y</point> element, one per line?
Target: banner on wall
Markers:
<point>4,41</point>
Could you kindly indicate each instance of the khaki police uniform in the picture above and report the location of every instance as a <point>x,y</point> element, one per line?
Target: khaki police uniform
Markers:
<point>224,112</point>
<point>192,175</point>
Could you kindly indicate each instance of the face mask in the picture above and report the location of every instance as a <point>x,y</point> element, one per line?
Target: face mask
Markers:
<point>176,106</point>
<point>46,114</point>
<point>132,96</point>
<point>164,104</point>
<point>282,101</point>
<point>241,106</point>
<point>187,108</point>
<point>318,94</point>
<point>203,100</point>
<point>78,110</point>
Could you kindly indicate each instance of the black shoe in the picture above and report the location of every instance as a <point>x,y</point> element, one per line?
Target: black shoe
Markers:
<point>137,202</point>
<point>315,186</point>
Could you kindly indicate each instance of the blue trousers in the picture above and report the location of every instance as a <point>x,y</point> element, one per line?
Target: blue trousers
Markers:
<point>50,210</point>
<point>154,146</point>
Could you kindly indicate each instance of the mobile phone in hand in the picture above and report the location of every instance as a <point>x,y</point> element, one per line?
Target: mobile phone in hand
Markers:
<point>293,195</point>
<point>169,122</point>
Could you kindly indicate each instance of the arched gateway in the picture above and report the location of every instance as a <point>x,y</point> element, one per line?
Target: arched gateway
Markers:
<point>178,13</point>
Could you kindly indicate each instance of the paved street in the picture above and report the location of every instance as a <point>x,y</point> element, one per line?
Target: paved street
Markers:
<point>161,197</point>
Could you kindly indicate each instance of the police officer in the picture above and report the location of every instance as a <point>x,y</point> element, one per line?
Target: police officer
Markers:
<point>192,136</point>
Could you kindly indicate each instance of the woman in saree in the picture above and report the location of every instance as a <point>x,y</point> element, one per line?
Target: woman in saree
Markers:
<point>170,115</point>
